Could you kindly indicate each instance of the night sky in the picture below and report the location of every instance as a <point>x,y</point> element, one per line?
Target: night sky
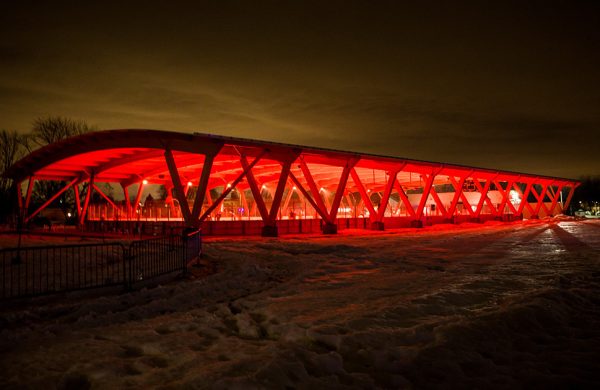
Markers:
<point>505,85</point>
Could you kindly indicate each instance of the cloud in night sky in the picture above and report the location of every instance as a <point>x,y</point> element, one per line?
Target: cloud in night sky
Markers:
<point>510,85</point>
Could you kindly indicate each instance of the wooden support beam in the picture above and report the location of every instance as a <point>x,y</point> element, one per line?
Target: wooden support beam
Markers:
<point>179,192</point>
<point>551,197</point>
<point>52,199</point>
<point>487,199</point>
<point>404,198</point>
<point>438,201</point>
<point>77,198</point>
<point>244,202</point>
<point>524,196</point>
<point>256,191</point>
<point>462,195</point>
<point>326,201</point>
<point>285,171</point>
<point>458,189</point>
<point>313,188</point>
<point>209,199</point>
<point>426,190</point>
<point>363,194</point>
<point>138,197</point>
<point>319,210</point>
<point>30,185</point>
<point>86,202</point>
<point>483,191</point>
<point>286,203</point>
<point>341,188</point>
<point>232,185</point>
<point>202,186</point>
<point>505,196</point>
<point>555,198</point>
<point>540,199</point>
<point>386,196</point>
<point>570,196</point>
<point>98,190</point>
<point>128,202</point>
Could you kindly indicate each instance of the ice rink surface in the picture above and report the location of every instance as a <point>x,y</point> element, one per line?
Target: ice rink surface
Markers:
<point>494,305</point>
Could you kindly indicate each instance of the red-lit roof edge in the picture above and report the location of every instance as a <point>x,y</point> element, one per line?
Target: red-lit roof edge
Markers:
<point>124,138</point>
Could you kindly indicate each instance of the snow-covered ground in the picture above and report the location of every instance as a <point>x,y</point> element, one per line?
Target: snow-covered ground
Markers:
<point>494,305</point>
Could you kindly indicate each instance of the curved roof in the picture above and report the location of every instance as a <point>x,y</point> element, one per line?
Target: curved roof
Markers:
<point>128,156</point>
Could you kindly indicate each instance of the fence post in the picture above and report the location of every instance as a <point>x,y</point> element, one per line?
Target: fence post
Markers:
<point>127,274</point>
<point>184,240</point>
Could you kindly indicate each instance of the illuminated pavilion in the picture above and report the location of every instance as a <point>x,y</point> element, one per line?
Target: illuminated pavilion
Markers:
<point>231,185</point>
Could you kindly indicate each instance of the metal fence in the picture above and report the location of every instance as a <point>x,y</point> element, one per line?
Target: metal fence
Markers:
<point>41,270</point>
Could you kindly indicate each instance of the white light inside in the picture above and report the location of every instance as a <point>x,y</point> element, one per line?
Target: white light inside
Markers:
<point>189,183</point>
<point>514,197</point>
<point>144,182</point>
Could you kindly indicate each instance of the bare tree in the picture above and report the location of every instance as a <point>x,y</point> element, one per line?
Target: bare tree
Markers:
<point>53,129</point>
<point>11,149</point>
<point>47,130</point>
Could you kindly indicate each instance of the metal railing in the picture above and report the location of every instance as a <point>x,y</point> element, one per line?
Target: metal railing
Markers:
<point>41,270</point>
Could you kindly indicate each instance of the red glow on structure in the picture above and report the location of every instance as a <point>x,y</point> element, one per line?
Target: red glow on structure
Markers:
<point>270,185</point>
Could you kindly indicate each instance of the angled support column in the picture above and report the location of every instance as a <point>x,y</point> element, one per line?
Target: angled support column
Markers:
<point>524,202</point>
<point>313,188</point>
<point>364,195</point>
<point>548,193</point>
<point>270,227</point>
<point>404,197</point>
<point>244,202</point>
<point>540,199</point>
<point>283,177</point>
<point>209,198</point>
<point>438,202</point>
<point>378,224</point>
<point>286,203</point>
<point>256,191</point>
<point>458,193</point>
<point>52,199</point>
<point>86,201</point>
<point>555,199</point>
<point>98,190</point>
<point>322,212</point>
<point>484,195</point>
<point>30,185</point>
<point>331,228</point>
<point>231,186</point>
<point>77,198</point>
<point>202,186</point>
<point>138,197</point>
<point>179,191</point>
<point>463,197</point>
<point>483,191</point>
<point>570,196</point>
<point>127,201</point>
<point>426,191</point>
<point>505,196</point>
